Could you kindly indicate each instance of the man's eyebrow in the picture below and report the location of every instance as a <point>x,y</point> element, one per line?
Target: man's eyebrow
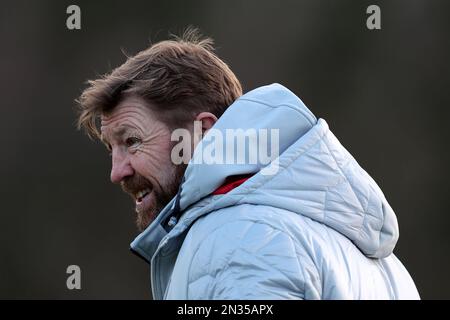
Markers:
<point>117,133</point>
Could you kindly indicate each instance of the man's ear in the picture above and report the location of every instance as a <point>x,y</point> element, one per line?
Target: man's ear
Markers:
<point>207,119</point>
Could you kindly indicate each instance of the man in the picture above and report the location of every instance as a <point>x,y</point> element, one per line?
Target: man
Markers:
<point>308,224</point>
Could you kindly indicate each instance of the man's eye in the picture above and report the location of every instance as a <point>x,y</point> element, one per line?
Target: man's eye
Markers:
<point>132,141</point>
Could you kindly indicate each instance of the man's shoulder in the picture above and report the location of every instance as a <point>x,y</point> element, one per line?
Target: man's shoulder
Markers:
<point>242,214</point>
<point>248,220</point>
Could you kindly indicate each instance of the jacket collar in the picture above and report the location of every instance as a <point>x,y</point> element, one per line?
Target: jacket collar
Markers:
<point>148,241</point>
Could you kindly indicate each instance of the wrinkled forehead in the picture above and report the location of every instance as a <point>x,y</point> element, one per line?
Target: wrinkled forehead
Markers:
<point>126,115</point>
<point>127,109</point>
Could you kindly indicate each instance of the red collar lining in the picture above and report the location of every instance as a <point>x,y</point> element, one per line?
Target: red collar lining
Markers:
<point>231,183</point>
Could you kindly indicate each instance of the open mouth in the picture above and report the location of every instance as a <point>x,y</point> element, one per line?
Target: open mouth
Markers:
<point>141,195</point>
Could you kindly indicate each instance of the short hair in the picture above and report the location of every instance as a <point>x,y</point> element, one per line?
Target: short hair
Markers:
<point>180,77</point>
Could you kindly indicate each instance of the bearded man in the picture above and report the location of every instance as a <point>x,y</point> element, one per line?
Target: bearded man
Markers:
<point>308,224</point>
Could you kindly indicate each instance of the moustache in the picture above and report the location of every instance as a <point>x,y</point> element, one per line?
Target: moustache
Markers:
<point>134,184</point>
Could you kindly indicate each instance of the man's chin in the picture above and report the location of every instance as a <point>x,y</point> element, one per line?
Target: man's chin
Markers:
<point>146,211</point>
<point>143,220</point>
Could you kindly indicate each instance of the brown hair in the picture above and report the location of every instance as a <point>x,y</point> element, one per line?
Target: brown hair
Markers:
<point>180,77</point>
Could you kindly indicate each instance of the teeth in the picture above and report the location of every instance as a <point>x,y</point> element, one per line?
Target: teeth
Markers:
<point>142,193</point>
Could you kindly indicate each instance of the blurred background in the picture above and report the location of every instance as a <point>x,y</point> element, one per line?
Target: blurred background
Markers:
<point>384,93</point>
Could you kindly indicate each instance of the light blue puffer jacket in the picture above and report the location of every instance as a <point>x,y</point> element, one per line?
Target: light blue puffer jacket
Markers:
<point>320,228</point>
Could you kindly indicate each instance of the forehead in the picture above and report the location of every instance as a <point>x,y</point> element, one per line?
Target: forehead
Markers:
<point>130,113</point>
<point>127,107</point>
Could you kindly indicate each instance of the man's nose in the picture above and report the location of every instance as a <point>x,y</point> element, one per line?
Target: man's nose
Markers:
<point>121,167</point>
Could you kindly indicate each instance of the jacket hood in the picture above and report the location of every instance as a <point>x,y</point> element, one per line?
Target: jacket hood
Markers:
<point>311,173</point>
<point>265,108</point>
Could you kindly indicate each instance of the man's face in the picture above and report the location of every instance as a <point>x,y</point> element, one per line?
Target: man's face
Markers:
<point>140,148</point>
